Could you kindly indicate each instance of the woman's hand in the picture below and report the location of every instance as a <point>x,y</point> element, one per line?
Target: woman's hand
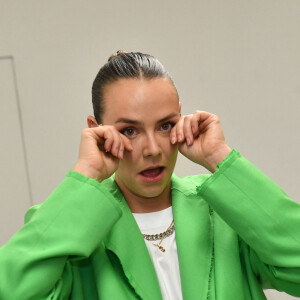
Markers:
<point>100,150</point>
<point>200,138</point>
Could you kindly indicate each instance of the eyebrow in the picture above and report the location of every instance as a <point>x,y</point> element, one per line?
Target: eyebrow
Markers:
<point>135,122</point>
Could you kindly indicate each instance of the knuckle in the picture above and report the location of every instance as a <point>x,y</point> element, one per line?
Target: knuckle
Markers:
<point>187,119</point>
<point>85,131</point>
<point>216,118</point>
<point>111,127</point>
<point>107,128</point>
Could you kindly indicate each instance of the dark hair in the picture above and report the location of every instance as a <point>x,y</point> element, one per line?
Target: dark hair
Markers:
<point>124,65</point>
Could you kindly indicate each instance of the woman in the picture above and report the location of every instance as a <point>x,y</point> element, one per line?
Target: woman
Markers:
<point>108,230</point>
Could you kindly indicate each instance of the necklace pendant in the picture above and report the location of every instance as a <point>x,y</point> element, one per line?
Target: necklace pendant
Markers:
<point>161,248</point>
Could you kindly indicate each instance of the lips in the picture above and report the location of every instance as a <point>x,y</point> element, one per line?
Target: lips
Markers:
<point>152,175</point>
<point>152,172</point>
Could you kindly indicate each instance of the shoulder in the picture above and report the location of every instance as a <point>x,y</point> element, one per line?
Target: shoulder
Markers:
<point>188,184</point>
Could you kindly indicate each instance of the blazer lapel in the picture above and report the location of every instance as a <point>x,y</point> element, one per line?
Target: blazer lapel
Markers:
<point>194,238</point>
<point>127,243</point>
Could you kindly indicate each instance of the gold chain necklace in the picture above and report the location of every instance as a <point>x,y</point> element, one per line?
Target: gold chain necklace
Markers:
<point>161,236</point>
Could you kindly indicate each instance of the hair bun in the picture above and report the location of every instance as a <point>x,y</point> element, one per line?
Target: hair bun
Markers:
<point>119,52</point>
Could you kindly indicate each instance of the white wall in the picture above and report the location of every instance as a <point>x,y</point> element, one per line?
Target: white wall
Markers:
<point>238,59</point>
<point>15,191</point>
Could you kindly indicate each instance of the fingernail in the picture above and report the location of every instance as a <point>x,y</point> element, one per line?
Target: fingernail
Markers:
<point>180,137</point>
<point>188,141</point>
<point>173,140</point>
<point>193,129</point>
<point>116,152</point>
<point>120,155</point>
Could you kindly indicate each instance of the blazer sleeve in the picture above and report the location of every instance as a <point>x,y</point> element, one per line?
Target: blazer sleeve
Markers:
<point>267,221</point>
<point>70,224</point>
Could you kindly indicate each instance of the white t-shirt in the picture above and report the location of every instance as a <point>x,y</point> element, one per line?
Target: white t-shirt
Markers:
<point>165,263</point>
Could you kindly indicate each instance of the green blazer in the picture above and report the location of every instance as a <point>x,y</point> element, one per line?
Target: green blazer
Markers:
<point>236,233</point>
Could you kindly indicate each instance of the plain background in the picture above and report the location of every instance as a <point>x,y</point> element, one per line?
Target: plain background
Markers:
<point>237,59</point>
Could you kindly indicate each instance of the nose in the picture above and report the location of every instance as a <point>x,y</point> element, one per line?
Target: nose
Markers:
<point>151,146</point>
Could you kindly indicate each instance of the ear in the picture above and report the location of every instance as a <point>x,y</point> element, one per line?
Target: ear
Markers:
<point>91,121</point>
<point>180,108</point>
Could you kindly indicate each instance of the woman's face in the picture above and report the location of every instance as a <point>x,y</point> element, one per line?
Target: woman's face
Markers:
<point>144,110</point>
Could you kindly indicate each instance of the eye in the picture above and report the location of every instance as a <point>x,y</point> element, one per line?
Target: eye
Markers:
<point>129,132</point>
<point>167,126</point>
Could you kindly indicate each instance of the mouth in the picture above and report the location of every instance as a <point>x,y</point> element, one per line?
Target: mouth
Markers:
<point>152,175</point>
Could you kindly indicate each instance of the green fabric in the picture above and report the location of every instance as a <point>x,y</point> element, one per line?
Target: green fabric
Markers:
<point>236,233</point>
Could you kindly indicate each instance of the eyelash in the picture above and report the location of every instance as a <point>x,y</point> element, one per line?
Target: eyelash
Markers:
<point>123,131</point>
<point>171,123</point>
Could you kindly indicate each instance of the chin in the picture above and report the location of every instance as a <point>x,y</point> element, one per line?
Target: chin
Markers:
<point>150,193</point>
<point>151,190</point>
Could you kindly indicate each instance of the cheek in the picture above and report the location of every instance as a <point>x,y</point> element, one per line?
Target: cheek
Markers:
<point>172,155</point>
<point>129,160</point>
<point>137,150</point>
<point>170,149</point>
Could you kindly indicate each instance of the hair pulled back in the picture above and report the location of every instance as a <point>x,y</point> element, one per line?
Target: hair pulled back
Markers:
<point>122,65</point>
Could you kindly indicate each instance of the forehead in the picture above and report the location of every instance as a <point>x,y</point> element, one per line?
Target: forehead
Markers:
<point>144,99</point>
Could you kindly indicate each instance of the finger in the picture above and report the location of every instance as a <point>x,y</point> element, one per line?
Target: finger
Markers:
<point>127,143</point>
<point>107,134</point>
<point>187,130</point>
<point>203,116</point>
<point>101,134</point>
<point>206,119</point>
<point>113,140</point>
<point>92,137</point>
<point>179,130</point>
<point>195,120</point>
<point>173,137</point>
<point>107,145</point>
<point>116,143</point>
<point>121,148</point>
<point>108,141</point>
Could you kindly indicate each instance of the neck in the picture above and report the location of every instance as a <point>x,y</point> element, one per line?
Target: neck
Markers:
<point>140,204</point>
